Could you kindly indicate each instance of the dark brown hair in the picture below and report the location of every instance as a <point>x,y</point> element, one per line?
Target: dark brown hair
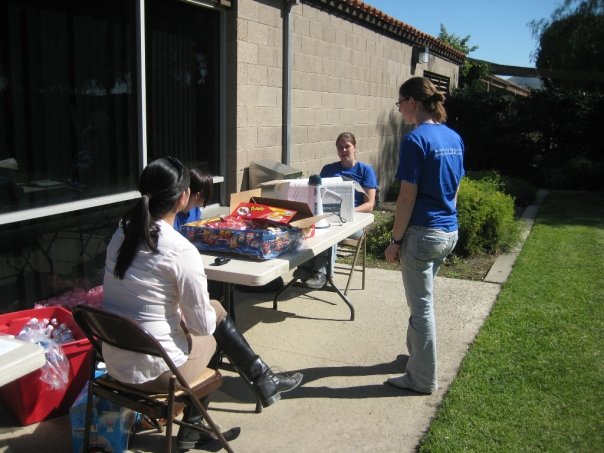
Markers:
<point>161,183</point>
<point>424,91</point>
<point>202,182</point>
<point>347,136</point>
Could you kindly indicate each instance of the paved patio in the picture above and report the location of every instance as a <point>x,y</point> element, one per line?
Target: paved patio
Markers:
<point>342,404</point>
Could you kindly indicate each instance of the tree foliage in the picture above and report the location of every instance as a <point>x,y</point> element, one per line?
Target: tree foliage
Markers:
<point>570,53</point>
<point>551,138</point>
<point>470,72</point>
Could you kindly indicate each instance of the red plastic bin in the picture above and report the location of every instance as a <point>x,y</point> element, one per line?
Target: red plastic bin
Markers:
<point>29,399</point>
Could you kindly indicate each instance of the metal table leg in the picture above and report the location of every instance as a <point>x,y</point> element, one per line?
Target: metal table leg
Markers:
<point>329,286</point>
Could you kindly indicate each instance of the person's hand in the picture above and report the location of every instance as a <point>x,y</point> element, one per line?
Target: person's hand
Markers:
<point>391,252</point>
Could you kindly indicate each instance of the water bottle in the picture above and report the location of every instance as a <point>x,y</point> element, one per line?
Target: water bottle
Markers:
<point>316,200</point>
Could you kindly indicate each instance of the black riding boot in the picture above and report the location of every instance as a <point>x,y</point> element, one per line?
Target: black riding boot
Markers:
<point>267,385</point>
<point>187,438</point>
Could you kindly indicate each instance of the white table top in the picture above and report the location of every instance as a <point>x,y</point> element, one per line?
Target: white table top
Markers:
<point>18,358</point>
<point>246,271</point>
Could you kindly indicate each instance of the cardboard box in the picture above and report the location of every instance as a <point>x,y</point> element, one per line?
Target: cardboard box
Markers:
<point>110,429</point>
<point>257,241</point>
<point>341,204</point>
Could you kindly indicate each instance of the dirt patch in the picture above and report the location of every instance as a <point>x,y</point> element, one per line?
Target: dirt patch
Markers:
<point>474,268</point>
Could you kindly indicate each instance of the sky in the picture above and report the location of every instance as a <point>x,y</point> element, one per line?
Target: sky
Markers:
<point>499,28</point>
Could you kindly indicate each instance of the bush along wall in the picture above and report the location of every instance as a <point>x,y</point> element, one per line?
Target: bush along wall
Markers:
<point>486,218</point>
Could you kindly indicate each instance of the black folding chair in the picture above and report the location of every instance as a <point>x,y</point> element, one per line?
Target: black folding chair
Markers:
<point>101,326</point>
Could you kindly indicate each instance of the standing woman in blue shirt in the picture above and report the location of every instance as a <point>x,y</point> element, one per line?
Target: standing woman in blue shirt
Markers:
<point>425,227</point>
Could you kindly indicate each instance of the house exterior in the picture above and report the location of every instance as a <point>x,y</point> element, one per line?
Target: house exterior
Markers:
<point>91,91</point>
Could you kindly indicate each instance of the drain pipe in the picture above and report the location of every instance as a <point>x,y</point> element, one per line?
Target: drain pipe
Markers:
<point>286,105</point>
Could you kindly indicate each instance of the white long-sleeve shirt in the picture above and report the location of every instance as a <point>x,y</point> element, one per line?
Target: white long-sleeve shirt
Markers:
<point>155,290</point>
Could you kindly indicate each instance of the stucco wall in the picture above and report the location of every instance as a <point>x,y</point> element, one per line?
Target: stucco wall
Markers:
<point>345,77</point>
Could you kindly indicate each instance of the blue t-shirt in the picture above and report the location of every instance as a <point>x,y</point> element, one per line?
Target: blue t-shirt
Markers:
<point>186,217</point>
<point>360,172</point>
<point>431,156</point>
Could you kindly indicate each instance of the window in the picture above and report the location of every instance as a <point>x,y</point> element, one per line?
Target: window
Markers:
<point>183,83</point>
<point>68,103</point>
<point>70,120</point>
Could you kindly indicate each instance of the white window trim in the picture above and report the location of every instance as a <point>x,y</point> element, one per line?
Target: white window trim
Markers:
<point>45,211</point>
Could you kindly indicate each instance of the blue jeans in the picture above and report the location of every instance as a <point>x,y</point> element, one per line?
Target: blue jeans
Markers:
<point>422,252</point>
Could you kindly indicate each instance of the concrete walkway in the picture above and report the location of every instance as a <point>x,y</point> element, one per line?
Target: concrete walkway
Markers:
<point>342,405</point>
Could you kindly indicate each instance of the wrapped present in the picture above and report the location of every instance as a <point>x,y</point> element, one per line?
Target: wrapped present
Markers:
<point>261,228</point>
<point>255,238</point>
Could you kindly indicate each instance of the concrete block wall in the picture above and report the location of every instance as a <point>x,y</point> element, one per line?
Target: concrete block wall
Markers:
<point>345,77</point>
<point>259,37</point>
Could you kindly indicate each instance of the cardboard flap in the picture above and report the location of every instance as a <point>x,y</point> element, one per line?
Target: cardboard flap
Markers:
<point>303,217</point>
<point>243,197</point>
<point>301,208</point>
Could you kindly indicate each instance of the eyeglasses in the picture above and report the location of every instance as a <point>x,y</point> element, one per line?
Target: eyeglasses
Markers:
<point>400,101</point>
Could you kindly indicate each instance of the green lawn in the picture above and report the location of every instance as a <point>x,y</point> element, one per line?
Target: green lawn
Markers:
<point>534,378</point>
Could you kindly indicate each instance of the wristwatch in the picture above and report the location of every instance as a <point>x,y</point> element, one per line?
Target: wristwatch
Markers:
<point>394,241</point>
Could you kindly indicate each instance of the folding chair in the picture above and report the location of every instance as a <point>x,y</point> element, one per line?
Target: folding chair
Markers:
<point>356,247</point>
<point>100,326</point>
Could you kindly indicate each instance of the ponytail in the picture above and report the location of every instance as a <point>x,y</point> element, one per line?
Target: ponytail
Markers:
<point>161,184</point>
<point>139,227</point>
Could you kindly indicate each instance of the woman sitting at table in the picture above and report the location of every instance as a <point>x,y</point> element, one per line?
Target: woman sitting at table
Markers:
<point>156,277</point>
<point>202,188</point>
<point>314,272</point>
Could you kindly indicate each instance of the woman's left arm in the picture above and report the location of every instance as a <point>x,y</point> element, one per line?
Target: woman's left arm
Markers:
<point>369,203</point>
<point>369,184</point>
<point>404,208</point>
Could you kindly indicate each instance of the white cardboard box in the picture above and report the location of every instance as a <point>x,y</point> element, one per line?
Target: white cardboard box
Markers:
<point>299,190</point>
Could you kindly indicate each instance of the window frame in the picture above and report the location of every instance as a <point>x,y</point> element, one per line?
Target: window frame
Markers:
<point>61,208</point>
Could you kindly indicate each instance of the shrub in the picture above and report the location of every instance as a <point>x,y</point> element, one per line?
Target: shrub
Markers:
<point>379,235</point>
<point>392,190</point>
<point>486,218</point>
<point>522,191</point>
<point>578,173</point>
<point>485,214</point>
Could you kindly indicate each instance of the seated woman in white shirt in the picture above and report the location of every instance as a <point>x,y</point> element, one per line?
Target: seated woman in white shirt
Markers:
<point>155,276</point>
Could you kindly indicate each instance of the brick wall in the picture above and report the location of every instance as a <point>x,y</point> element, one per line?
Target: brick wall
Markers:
<point>345,77</point>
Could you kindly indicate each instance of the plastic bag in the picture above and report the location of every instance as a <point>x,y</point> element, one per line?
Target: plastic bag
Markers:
<point>55,372</point>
